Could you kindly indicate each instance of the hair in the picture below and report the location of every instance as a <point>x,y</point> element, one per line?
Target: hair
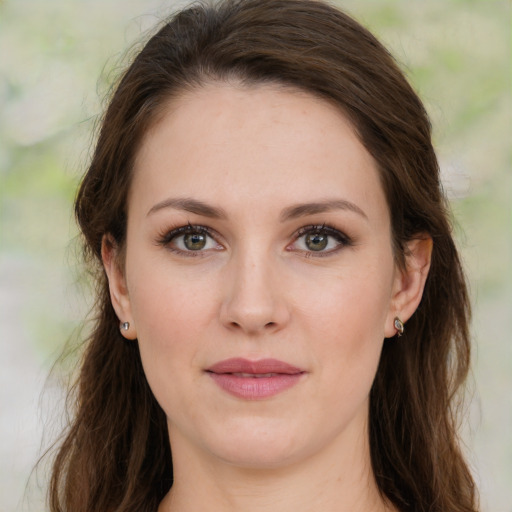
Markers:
<point>115,455</point>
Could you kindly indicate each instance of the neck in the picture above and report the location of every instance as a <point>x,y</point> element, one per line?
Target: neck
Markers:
<point>336,479</point>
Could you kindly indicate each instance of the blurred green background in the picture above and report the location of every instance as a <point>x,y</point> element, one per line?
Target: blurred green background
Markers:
<point>57,59</point>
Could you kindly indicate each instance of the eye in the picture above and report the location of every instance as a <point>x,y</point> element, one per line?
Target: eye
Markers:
<point>320,240</point>
<point>189,239</point>
<point>316,241</point>
<point>193,241</point>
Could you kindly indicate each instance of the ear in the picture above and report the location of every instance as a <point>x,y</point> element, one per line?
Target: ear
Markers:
<point>117,283</point>
<point>410,281</point>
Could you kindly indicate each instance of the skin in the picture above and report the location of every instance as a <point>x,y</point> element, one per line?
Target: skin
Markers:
<point>257,290</point>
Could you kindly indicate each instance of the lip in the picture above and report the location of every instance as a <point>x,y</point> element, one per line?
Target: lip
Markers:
<point>254,380</point>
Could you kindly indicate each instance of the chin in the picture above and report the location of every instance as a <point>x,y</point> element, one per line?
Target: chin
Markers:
<point>255,456</point>
<point>261,447</point>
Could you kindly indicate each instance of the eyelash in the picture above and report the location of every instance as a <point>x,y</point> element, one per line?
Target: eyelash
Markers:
<point>165,238</point>
<point>323,229</point>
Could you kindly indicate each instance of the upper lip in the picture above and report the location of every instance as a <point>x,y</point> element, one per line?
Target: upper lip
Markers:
<point>262,366</point>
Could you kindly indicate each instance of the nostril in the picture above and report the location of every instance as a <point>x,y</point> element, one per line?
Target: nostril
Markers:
<point>270,324</point>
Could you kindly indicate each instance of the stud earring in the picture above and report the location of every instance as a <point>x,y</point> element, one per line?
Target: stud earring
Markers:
<point>399,326</point>
<point>125,326</point>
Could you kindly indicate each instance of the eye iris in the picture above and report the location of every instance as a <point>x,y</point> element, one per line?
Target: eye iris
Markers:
<point>316,241</point>
<point>194,241</point>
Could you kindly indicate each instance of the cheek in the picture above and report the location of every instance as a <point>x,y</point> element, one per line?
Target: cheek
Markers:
<point>171,321</point>
<point>347,323</point>
<point>172,312</point>
<point>352,303</point>
<point>167,299</point>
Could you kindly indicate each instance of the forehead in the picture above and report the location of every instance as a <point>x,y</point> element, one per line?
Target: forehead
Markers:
<point>253,145</point>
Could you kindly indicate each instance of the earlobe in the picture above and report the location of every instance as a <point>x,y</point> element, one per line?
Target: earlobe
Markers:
<point>117,284</point>
<point>410,281</point>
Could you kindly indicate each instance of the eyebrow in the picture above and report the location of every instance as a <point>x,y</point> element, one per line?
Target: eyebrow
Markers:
<point>291,212</point>
<point>190,205</point>
<point>301,210</point>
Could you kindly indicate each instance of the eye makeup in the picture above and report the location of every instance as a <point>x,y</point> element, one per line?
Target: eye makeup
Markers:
<point>319,240</point>
<point>193,240</point>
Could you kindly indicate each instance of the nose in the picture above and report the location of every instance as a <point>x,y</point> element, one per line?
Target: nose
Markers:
<point>254,297</point>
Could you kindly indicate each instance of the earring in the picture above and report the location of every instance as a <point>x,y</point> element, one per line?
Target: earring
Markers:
<point>125,326</point>
<point>399,326</point>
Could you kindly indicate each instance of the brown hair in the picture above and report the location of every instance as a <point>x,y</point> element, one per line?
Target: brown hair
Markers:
<point>116,454</point>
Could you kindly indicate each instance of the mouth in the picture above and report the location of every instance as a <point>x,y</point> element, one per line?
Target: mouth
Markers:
<point>254,380</point>
<point>255,375</point>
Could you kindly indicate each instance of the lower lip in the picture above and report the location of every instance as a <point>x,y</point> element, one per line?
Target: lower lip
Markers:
<point>255,388</point>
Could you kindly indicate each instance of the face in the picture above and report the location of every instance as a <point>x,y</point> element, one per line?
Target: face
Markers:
<point>259,276</point>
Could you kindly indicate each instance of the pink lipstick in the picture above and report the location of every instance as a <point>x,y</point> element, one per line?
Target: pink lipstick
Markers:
<point>254,380</point>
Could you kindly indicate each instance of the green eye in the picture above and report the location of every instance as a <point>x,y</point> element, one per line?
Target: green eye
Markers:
<point>189,240</point>
<point>320,240</point>
<point>194,241</point>
<point>316,241</point>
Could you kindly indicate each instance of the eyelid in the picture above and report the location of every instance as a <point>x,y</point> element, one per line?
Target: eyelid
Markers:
<point>342,239</point>
<point>165,237</point>
<point>168,235</point>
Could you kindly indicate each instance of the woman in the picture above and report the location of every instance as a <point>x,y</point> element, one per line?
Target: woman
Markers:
<point>280,302</point>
